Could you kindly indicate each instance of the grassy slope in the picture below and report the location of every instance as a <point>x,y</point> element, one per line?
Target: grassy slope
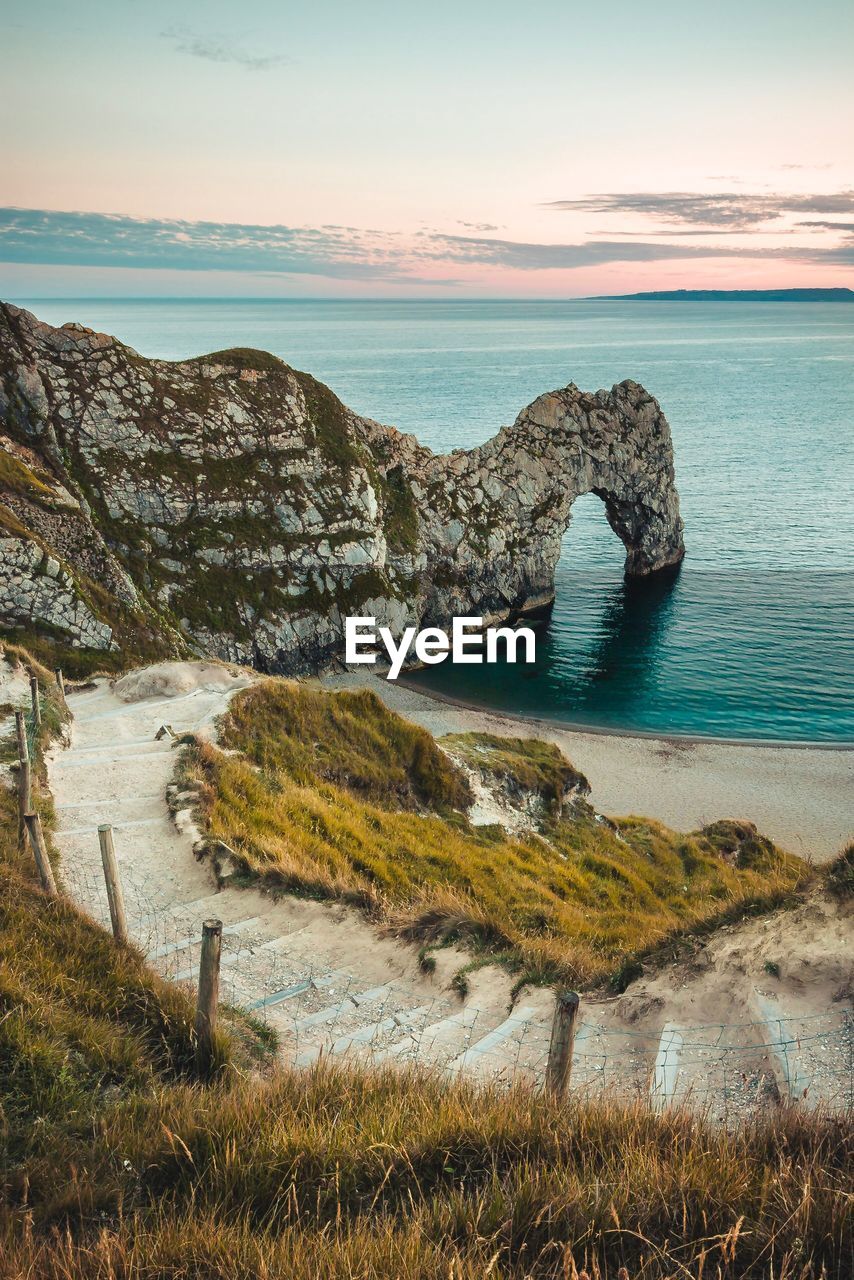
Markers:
<point>114,1164</point>
<point>334,794</point>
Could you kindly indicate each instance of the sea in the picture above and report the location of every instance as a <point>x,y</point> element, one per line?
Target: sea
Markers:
<point>754,637</point>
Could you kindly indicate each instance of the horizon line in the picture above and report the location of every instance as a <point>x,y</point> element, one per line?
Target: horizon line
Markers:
<point>581,297</point>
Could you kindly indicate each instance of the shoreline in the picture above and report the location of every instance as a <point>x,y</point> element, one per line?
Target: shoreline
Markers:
<point>650,735</point>
<point>797,794</point>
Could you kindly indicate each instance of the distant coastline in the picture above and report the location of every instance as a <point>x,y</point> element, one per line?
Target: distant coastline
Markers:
<point>730,295</point>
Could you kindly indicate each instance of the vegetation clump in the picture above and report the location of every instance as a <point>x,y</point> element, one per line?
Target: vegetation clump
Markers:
<point>17,477</point>
<point>740,843</point>
<point>401,514</point>
<point>840,874</point>
<point>329,419</point>
<point>349,738</point>
<point>241,358</point>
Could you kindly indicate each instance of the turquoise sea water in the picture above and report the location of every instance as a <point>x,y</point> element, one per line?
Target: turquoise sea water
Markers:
<point>754,637</point>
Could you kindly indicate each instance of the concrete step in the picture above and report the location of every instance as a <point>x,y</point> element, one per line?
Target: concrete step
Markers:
<point>350,1002</point>
<point>118,802</point>
<point>364,1039</point>
<point>665,1070</point>
<point>810,1057</point>
<point>108,769</point>
<point>293,992</point>
<point>443,1040</point>
<point>499,1048</point>
<point>182,944</point>
<point>139,711</point>
<point>118,824</point>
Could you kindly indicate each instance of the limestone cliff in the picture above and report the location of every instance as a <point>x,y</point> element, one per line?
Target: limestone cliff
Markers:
<point>233,506</point>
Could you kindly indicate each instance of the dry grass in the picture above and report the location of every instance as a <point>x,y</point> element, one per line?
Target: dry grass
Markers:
<point>336,1173</point>
<point>311,796</point>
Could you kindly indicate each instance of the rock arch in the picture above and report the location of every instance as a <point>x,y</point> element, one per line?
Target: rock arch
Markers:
<point>513,496</point>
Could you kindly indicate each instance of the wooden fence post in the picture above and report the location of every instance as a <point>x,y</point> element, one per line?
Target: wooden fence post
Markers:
<point>21,731</point>
<point>114,884</point>
<point>60,682</point>
<point>24,784</point>
<point>37,841</point>
<point>34,695</point>
<point>208,997</point>
<point>562,1041</point>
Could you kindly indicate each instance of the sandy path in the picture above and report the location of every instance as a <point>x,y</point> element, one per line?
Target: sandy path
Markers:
<point>799,796</point>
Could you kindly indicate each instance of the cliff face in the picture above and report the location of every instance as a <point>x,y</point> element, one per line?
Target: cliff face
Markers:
<point>233,506</point>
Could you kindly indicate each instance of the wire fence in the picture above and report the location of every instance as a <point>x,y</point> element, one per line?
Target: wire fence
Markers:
<point>729,1070</point>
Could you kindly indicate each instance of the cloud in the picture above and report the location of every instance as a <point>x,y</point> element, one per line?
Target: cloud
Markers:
<point>212,49</point>
<point>337,253</point>
<point>477,226</point>
<point>830,226</point>
<point>98,239</point>
<point>715,211</point>
<point>541,257</point>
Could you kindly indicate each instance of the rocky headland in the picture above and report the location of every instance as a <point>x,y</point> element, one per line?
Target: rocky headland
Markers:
<point>232,506</point>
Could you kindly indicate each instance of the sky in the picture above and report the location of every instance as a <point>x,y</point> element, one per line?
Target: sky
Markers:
<point>466,149</point>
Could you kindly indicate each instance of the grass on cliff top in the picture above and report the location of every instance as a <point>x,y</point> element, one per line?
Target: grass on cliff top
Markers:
<point>334,795</point>
<point>241,358</point>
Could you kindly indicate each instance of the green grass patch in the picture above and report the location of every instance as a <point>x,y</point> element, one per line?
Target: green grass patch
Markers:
<point>242,358</point>
<point>401,513</point>
<point>329,419</point>
<point>308,735</point>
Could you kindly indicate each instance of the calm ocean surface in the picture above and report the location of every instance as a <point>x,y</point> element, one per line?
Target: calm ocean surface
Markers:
<point>754,638</point>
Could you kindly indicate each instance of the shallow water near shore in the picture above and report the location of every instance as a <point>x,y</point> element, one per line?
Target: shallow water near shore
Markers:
<point>754,637</point>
